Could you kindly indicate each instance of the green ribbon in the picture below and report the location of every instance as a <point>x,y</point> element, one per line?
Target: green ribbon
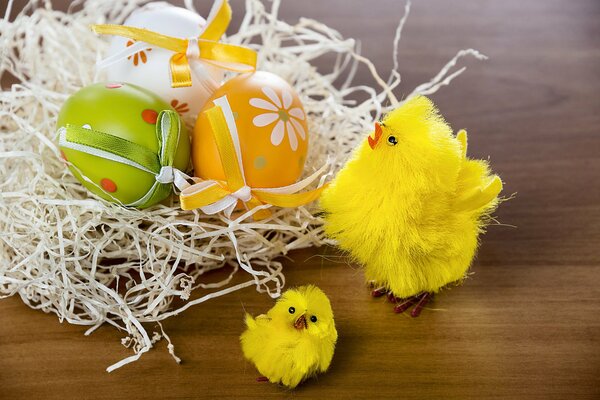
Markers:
<point>123,151</point>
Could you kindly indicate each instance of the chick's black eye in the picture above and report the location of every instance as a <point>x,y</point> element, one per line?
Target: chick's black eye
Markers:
<point>392,141</point>
<point>292,310</point>
<point>313,318</point>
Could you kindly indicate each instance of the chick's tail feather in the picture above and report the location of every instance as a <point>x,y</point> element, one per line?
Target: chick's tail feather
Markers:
<point>480,187</point>
<point>462,139</point>
<point>481,196</point>
<point>250,322</point>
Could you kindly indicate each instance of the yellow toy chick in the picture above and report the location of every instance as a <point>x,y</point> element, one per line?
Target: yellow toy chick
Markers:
<point>410,205</point>
<point>295,339</point>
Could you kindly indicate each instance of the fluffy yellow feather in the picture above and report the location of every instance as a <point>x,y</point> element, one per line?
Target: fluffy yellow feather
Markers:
<point>410,205</point>
<point>295,339</point>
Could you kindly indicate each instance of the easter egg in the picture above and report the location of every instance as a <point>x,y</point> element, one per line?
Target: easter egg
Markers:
<point>272,128</point>
<point>149,67</point>
<point>126,115</point>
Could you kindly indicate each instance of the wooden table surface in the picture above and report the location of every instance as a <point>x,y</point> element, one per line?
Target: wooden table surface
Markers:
<point>527,323</point>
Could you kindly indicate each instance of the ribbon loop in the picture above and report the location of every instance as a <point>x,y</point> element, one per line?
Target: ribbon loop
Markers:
<point>213,196</point>
<point>181,75</point>
<point>205,48</point>
<point>166,175</point>
<point>218,21</point>
<point>244,194</point>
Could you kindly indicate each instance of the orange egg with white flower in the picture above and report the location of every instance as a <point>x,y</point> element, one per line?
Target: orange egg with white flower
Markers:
<point>271,125</point>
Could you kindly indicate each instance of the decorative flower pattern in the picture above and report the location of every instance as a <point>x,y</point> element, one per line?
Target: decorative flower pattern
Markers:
<point>139,56</point>
<point>181,108</point>
<point>279,110</point>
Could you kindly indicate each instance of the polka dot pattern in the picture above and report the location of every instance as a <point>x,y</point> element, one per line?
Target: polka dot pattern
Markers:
<point>260,162</point>
<point>108,185</point>
<point>150,116</point>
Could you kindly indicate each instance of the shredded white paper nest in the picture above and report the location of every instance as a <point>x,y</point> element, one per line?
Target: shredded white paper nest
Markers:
<point>91,262</point>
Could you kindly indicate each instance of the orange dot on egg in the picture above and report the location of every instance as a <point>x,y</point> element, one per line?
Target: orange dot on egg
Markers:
<point>150,116</point>
<point>108,185</point>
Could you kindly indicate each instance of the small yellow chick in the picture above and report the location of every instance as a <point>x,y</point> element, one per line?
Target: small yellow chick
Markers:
<point>410,205</point>
<point>295,339</point>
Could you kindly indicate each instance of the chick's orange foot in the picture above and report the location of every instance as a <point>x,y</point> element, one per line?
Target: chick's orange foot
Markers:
<point>419,301</point>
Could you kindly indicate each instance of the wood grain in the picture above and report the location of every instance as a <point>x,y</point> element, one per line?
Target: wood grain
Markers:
<point>526,325</point>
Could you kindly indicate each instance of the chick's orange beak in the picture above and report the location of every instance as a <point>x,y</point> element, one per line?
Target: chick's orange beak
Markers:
<point>301,323</point>
<point>378,133</point>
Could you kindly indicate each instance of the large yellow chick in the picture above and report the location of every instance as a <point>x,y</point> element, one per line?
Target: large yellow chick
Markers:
<point>295,339</point>
<point>410,205</point>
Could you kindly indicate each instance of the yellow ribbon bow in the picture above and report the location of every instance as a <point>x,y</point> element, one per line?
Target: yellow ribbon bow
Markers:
<point>206,46</point>
<point>213,196</point>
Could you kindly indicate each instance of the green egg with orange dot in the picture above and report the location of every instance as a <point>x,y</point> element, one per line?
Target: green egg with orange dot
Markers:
<point>122,142</point>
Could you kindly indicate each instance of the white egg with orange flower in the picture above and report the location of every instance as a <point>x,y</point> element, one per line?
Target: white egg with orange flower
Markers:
<point>148,67</point>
